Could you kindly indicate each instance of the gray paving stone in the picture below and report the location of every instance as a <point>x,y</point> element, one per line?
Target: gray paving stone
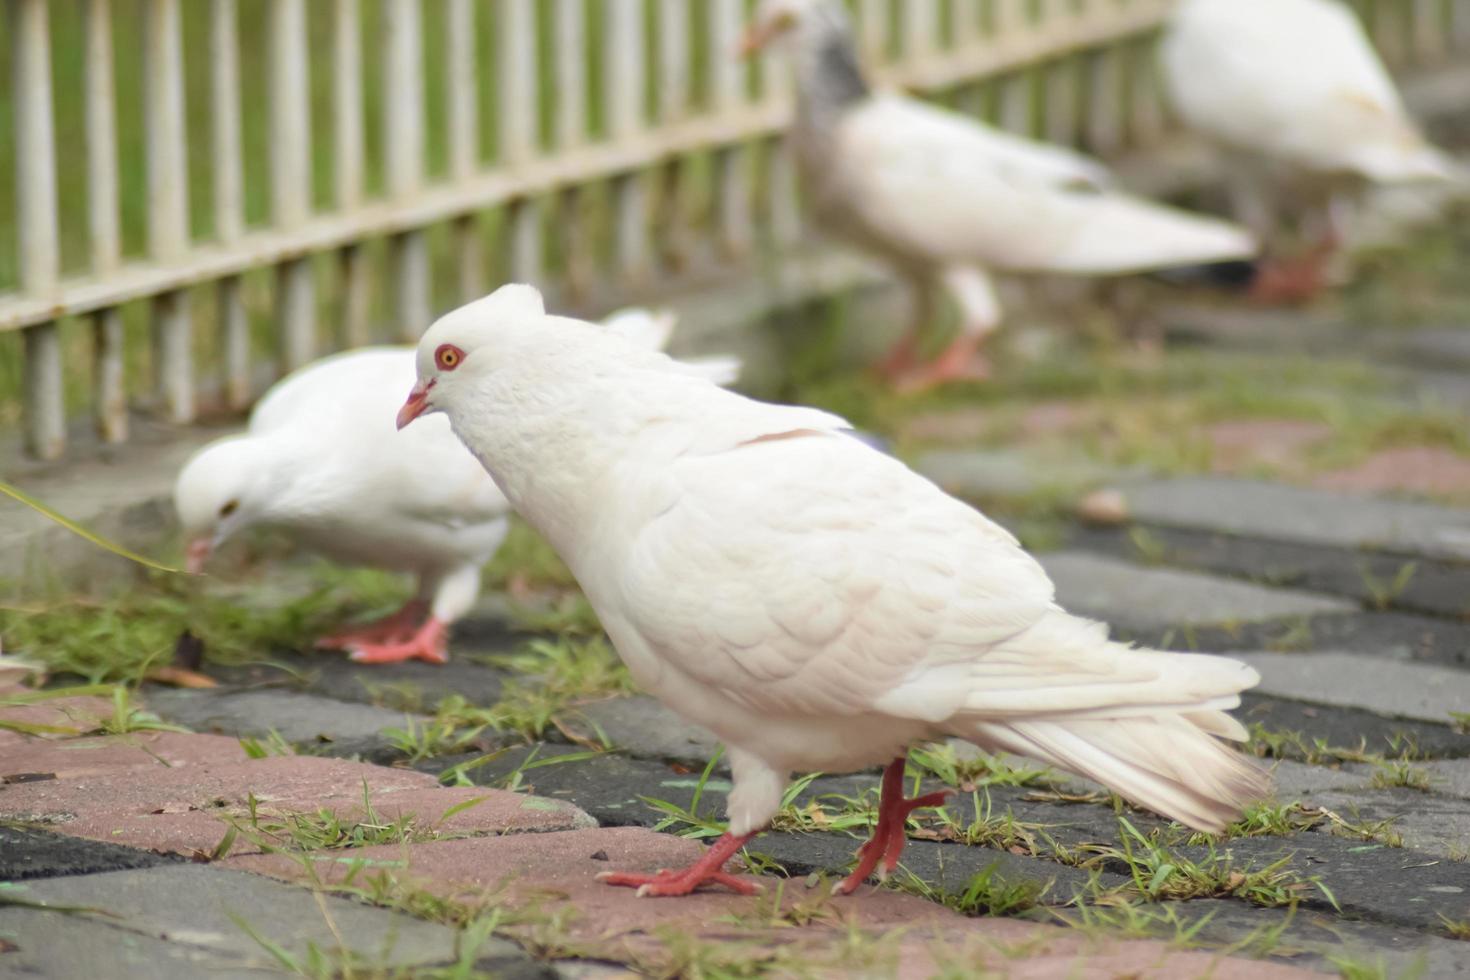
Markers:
<point>1452,776</point>
<point>1428,822</point>
<point>1268,510</point>
<point>1350,728</point>
<point>1392,885</point>
<point>58,946</point>
<point>26,852</point>
<point>208,909</point>
<point>943,867</point>
<point>1387,687</point>
<point>1120,592</point>
<point>641,726</point>
<point>1439,347</point>
<point>1008,474</point>
<point>1295,779</point>
<point>303,719</point>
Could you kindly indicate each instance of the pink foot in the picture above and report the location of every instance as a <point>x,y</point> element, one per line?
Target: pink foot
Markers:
<point>899,360</point>
<point>429,643</point>
<point>888,838</point>
<point>961,361</point>
<point>709,868</point>
<point>394,628</point>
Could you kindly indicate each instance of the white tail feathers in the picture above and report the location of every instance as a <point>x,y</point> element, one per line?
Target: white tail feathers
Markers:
<point>1117,234</point>
<point>723,371</point>
<point>1146,724</point>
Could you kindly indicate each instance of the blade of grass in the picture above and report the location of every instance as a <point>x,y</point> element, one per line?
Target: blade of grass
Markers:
<point>22,497</point>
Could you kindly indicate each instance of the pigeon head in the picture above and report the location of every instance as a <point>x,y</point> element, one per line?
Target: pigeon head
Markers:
<point>793,22</point>
<point>219,493</point>
<point>466,345</point>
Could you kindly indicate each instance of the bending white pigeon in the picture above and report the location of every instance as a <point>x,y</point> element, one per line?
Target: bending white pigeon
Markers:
<point>1295,84</point>
<point>813,602</point>
<point>321,461</point>
<point>945,199</point>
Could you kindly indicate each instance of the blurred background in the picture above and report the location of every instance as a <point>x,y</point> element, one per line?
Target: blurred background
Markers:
<point>197,197</point>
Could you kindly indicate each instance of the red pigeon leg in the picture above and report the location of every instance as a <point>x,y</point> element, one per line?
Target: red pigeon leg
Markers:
<point>962,360</point>
<point>396,627</point>
<point>900,357</point>
<point>709,868</point>
<point>888,838</point>
<point>430,642</point>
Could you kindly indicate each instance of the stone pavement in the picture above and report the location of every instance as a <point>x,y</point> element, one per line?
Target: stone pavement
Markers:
<point>175,849</point>
<point>311,822</point>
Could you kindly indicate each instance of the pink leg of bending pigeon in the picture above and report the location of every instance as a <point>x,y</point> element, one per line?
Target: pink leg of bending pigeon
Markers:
<point>397,626</point>
<point>430,643</point>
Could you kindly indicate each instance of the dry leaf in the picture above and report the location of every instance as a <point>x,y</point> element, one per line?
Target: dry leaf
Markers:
<point>181,677</point>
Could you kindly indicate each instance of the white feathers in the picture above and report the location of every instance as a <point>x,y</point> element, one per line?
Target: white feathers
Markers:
<point>1296,81</point>
<point>813,602</point>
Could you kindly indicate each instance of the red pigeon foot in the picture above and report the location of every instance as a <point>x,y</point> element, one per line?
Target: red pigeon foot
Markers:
<point>709,868</point>
<point>397,627</point>
<point>888,838</point>
<point>961,361</point>
<point>430,644</point>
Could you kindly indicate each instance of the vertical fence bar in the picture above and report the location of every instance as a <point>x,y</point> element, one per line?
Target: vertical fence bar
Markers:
<point>109,381</point>
<point>347,136</point>
<point>872,25</point>
<point>40,255</point>
<point>571,73</point>
<point>674,57</point>
<point>624,65</point>
<point>291,177</point>
<point>229,194</point>
<point>168,203</point>
<point>1429,37</point>
<point>518,99</point>
<point>464,141</point>
<point>1104,122</point>
<point>403,151</point>
<point>920,29</point>
<point>731,163</point>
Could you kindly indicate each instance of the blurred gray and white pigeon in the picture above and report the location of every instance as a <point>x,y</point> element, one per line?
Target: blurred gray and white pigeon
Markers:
<point>945,199</point>
<point>813,602</point>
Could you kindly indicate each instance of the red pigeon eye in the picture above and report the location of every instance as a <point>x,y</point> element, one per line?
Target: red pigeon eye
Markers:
<point>447,357</point>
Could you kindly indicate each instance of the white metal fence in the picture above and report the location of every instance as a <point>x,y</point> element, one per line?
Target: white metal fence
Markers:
<point>419,150</point>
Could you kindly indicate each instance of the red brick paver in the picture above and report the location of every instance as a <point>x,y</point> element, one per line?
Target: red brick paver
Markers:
<point>1426,470</point>
<point>551,878</point>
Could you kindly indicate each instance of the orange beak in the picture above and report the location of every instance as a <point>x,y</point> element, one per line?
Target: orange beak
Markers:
<point>417,404</point>
<point>756,38</point>
<point>196,554</point>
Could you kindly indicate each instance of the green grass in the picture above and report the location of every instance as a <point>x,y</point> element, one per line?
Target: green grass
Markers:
<point>122,636</point>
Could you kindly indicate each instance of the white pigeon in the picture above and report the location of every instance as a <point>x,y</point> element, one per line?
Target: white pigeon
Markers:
<point>813,602</point>
<point>1294,89</point>
<point>322,462</point>
<point>946,199</point>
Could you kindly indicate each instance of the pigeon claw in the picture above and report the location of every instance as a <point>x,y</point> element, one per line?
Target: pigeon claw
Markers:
<point>398,627</point>
<point>429,644</point>
<point>708,869</point>
<point>671,884</point>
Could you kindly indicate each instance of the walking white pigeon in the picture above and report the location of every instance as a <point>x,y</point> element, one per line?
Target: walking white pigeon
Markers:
<point>945,199</point>
<point>1294,89</point>
<point>321,461</point>
<point>813,602</point>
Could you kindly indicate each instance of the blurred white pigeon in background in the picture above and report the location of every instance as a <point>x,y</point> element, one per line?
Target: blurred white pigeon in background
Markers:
<point>322,462</point>
<point>813,602</point>
<point>945,199</point>
<point>1295,90</point>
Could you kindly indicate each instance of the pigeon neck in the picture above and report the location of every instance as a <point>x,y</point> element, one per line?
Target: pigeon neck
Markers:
<point>830,79</point>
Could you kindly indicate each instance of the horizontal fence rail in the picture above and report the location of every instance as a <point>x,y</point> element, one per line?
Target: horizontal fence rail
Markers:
<point>262,182</point>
